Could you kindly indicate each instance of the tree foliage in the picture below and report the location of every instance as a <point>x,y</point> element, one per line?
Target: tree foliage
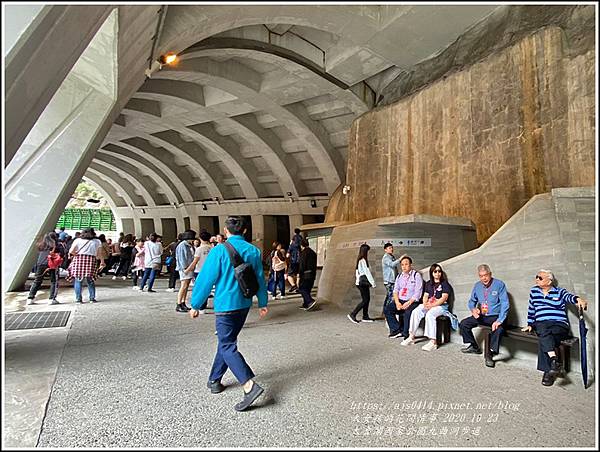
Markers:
<point>83,192</point>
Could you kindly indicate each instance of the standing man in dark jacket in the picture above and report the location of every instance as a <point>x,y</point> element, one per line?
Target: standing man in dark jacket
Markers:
<point>307,270</point>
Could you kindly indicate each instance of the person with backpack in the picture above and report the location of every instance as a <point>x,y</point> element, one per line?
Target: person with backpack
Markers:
<point>48,262</point>
<point>293,256</point>
<point>171,263</point>
<point>235,269</point>
<point>278,265</point>
<point>364,282</point>
<point>308,272</point>
<point>407,293</point>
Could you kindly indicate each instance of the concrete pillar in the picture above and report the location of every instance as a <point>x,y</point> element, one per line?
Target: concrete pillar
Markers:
<point>222,219</point>
<point>58,149</point>
<point>258,232</point>
<point>295,222</point>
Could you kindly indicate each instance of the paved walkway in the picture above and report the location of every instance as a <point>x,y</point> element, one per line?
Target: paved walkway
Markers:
<point>131,372</point>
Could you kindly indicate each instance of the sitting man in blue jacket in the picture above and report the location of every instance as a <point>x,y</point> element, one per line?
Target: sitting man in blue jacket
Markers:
<point>489,306</point>
<point>231,308</point>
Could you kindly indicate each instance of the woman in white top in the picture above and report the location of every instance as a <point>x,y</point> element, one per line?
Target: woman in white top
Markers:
<point>85,250</point>
<point>364,281</point>
<point>152,260</point>
<point>279,266</point>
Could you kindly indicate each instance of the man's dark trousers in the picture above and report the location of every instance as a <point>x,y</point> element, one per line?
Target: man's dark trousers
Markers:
<point>228,357</point>
<point>550,335</point>
<point>304,288</point>
<point>466,326</point>
<point>391,312</point>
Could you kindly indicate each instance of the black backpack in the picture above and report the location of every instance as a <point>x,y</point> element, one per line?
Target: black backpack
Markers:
<point>243,272</point>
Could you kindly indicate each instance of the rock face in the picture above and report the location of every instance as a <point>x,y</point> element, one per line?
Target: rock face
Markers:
<point>478,143</point>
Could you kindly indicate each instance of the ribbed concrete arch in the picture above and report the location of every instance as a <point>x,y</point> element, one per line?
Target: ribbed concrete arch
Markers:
<point>111,186</point>
<point>133,167</point>
<point>198,157</point>
<point>195,166</point>
<point>156,173</point>
<point>281,163</point>
<point>185,26</point>
<point>182,179</point>
<point>228,150</point>
<point>223,147</point>
<point>348,97</point>
<point>119,179</point>
<point>245,84</point>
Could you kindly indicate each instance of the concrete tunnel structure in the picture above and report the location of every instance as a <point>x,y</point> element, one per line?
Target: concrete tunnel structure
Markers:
<point>272,109</point>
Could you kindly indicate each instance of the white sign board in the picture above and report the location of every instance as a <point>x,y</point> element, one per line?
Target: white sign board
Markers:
<point>378,243</point>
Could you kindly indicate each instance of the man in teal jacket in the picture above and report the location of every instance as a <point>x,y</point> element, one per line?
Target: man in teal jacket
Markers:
<point>231,308</point>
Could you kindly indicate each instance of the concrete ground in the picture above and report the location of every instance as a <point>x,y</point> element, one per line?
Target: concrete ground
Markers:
<point>129,371</point>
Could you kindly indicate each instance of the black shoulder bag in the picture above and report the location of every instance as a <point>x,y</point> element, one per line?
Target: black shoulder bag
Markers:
<point>243,272</point>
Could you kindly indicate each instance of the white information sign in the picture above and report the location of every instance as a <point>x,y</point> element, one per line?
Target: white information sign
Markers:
<point>378,243</point>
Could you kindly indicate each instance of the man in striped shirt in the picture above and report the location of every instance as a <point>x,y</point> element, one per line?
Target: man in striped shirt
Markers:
<point>547,315</point>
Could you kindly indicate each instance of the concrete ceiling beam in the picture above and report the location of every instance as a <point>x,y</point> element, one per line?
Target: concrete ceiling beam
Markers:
<point>194,166</point>
<point>246,126</point>
<point>134,186</point>
<point>140,168</point>
<point>227,150</point>
<point>150,161</point>
<point>198,71</point>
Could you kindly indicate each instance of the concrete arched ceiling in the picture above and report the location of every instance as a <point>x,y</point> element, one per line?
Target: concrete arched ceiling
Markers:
<point>262,98</point>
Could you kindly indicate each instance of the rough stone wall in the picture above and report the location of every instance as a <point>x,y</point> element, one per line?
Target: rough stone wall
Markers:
<point>479,143</point>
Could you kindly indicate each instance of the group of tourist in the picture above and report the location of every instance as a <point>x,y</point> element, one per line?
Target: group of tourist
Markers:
<point>408,301</point>
<point>142,260</point>
<point>297,265</point>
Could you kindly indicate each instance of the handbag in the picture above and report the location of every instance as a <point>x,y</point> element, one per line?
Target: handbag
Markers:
<point>363,281</point>
<point>169,260</point>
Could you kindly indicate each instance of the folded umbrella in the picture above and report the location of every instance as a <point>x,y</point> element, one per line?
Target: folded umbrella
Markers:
<point>582,341</point>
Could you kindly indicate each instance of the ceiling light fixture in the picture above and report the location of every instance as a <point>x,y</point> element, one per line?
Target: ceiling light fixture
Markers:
<point>166,59</point>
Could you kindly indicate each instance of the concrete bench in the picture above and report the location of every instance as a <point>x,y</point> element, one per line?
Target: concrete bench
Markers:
<point>514,332</point>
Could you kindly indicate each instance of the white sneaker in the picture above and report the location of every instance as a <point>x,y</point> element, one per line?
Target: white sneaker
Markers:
<point>278,297</point>
<point>429,346</point>
<point>136,287</point>
<point>114,277</point>
<point>408,341</point>
<point>123,278</point>
<point>30,301</point>
<point>170,289</point>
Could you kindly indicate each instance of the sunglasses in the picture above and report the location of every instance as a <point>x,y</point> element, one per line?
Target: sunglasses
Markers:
<point>437,271</point>
<point>539,278</point>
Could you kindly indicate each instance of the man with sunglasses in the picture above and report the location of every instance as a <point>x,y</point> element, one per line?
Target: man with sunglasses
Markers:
<point>547,315</point>
<point>489,306</point>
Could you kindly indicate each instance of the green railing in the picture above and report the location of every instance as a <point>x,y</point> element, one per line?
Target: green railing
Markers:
<point>99,219</point>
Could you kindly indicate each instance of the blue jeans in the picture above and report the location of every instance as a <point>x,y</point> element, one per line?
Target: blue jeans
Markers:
<point>279,281</point>
<point>228,357</point>
<point>148,272</point>
<point>391,312</point>
<point>389,297</point>
<point>91,288</point>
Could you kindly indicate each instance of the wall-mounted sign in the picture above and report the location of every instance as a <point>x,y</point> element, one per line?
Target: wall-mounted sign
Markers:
<point>378,243</point>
